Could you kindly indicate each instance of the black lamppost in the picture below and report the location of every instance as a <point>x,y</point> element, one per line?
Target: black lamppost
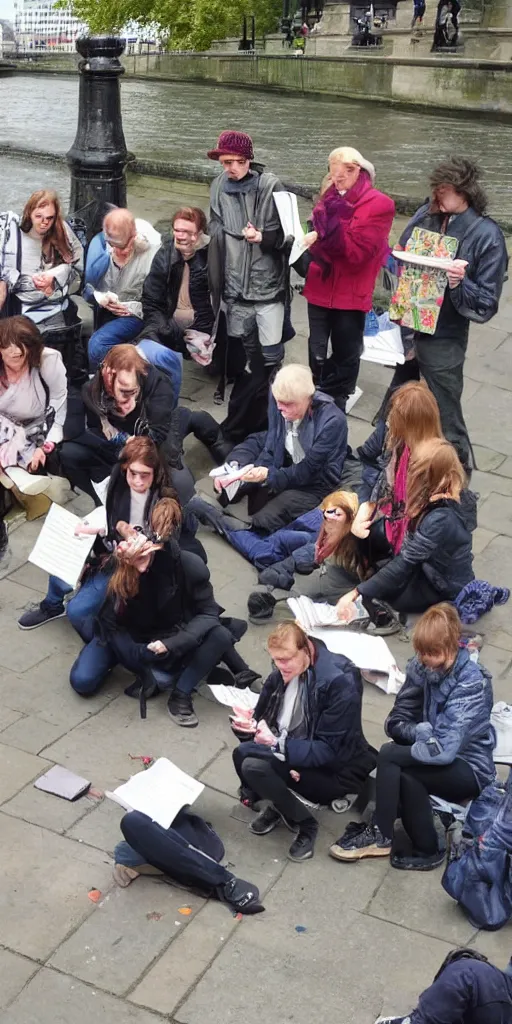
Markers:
<point>98,156</point>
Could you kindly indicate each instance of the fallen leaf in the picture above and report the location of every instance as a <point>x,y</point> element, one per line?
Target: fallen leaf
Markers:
<point>153,916</point>
<point>94,895</point>
<point>186,911</point>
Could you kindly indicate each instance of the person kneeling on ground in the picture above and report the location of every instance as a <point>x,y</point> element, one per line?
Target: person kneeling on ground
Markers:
<point>299,459</point>
<point>160,620</point>
<point>435,560</point>
<point>467,989</point>
<point>305,735</point>
<point>189,852</point>
<point>442,744</point>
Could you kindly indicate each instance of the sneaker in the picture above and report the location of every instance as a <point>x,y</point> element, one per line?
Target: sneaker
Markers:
<point>369,842</point>
<point>38,615</point>
<point>417,861</point>
<point>124,876</point>
<point>246,678</point>
<point>303,847</point>
<point>393,1020</point>
<point>247,796</point>
<point>268,820</point>
<point>181,710</point>
<point>243,897</point>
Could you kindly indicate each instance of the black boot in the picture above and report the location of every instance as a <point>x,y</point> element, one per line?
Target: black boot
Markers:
<point>243,897</point>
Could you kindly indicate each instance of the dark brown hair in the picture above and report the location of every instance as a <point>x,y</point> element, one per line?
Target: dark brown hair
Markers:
<point>143,449</point>
<point>23,333</point>
<point>413,416</point>
<point>434,468</point>
<point>464,177</point>
<point>125,579</point>
<point>56,244</point>
<point>437,632</point>
<point>192,213</point>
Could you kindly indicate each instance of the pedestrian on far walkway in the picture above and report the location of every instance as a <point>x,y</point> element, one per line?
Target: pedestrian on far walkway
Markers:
<point>418,12</point>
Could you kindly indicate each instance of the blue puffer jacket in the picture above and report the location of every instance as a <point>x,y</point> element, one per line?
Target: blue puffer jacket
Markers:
<point>323,435</point>
<point>440,547</point>
<point>456,716</point>
<point>469,992</point>
<point>373,458</point>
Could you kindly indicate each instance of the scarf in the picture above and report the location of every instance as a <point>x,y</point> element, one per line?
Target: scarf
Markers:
<point>394,509</point>
<point>330,216</point>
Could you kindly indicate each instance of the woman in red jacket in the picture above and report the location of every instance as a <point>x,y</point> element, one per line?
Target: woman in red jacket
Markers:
<point>347,247</point>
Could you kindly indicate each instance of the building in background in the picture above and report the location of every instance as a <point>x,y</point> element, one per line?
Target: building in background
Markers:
<point>40,25</point>
<point>6,37</point>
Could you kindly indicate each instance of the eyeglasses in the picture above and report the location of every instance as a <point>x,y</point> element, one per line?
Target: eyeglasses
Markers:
<point>333,513</point>
<point>119,245</point>
<point>131,393</point>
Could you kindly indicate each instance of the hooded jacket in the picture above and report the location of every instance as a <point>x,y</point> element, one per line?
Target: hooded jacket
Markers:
<point>445,715</point>
<point>440,547</point>
<point>332,700</point>
<point>323,436</point>
<point>470,992</point>
<point>161,291</point>
<point>241,270</point>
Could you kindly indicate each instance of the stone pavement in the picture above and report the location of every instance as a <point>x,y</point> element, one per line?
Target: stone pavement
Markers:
<point>373,937</point>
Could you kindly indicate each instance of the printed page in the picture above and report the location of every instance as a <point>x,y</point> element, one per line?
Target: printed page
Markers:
<point>160,792</point>
<point>57,550</point>
<point>288,210</point>
<point>232,697</point>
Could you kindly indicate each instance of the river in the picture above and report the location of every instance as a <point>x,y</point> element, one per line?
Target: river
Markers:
<point>292,135</point>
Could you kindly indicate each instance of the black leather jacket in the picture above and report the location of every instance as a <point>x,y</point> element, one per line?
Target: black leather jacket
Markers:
<point>161,290</point>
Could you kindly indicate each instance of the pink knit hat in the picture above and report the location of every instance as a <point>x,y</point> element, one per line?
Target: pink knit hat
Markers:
<point>232,144</point>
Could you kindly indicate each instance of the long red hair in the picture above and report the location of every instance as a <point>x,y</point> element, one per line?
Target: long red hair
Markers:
<point>56,244</point>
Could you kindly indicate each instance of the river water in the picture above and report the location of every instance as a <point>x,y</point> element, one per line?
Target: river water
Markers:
<point>292,136</point>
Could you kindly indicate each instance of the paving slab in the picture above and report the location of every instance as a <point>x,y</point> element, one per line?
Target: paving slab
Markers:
<point>43,886</point>
<point>45,809</point>
<point>100,748</point>
<point>7,717</point>
<point>496,660</point>
<point>100,827</point>
<point>15,971</point>
<point>32,734</point>
<point>481,538</point>
<point>127,930</point>
<point>506,468</point>
<point>495,945</point>
<point>485,338</point>
<point>417,901</point>
<point>16,769</point>
<point>353,962</point>
<point>489,420</point>
<point>495,566</point>
<point>53,998</point>
<point>496,513</point>
<point>221,774</point>
<point>483,483</point>
<point>491,367</point>
<point>45,692</point>
<point>187,958</point>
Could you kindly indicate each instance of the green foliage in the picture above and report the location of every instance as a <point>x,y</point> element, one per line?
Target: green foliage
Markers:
<point>180,24</point>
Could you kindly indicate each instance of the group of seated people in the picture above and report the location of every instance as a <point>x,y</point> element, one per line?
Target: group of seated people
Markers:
<point>400,540</point>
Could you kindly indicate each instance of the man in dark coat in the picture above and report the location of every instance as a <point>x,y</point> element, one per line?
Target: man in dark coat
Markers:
<point>467,989</point>
<point>457,209</point>
<point>304,736</point>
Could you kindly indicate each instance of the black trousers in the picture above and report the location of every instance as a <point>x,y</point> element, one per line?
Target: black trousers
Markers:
<point>403,788</point>
<point>85,458</point>
<point>441,364</point>
<point>186,853</point>
<point>271,512</point>
<point>248,402</point>
<point>336,375</point>
<point>269,777</point>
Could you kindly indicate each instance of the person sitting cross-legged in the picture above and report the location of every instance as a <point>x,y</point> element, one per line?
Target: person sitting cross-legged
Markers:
<point>299,459</point>
<point>304,737</point>
<point>189,853</point>
<point>442,744</point>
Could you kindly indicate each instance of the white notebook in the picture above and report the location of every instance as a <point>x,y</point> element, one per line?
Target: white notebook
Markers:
<point>160,792</point>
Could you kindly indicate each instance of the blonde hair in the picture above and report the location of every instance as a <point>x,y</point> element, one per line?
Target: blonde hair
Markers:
<point>437,632</point>
<point>349,155</point>
<point>293,382</point>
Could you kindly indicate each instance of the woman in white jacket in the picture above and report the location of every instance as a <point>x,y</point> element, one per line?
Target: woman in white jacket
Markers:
<point>41,262</point>
<point>33,401</point>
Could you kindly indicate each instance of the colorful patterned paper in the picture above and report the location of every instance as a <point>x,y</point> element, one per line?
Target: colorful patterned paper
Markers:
<point>418,299</point>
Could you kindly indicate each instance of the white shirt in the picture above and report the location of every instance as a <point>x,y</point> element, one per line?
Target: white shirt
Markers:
<point>290,696</point>
<point>292,443</point>
<point>137,506</point>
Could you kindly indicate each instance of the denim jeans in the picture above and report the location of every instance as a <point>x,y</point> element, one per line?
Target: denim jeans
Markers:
<point>119,331</point>
<point>189,851</point>
<point>83,608</point>
<point>98,657</point>
<point>169,362</point>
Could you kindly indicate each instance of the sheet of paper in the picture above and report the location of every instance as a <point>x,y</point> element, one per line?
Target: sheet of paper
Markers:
<point>435,262</point>
<point>101,489</point>
<point>57,550</point>
<point>160,792</point>
<point>235,698</point>
<point>288,210</point>
<point>385,347</point>
<point>371,652</point>
<point>311,614</point>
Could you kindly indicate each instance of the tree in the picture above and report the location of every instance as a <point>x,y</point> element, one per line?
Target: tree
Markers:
<point>180,24</point>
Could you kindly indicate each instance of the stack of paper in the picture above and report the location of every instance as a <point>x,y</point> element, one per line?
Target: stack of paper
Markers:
<point>160,792</point>
<point>288,210</point>
<point>385,347</point>
<point>310,614</point>
<point>232,697</point>
<point>369,653</point>
<point>229,477</point>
